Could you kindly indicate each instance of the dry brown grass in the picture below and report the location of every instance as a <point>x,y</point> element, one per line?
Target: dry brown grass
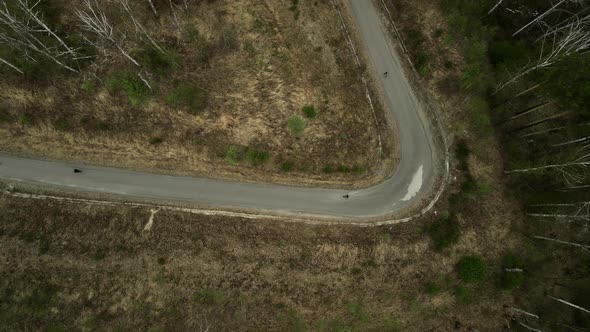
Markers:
<point>278,65</point>
<point>88,267</point>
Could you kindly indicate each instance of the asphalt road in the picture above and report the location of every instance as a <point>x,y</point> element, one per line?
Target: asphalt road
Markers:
<point>412,181</point>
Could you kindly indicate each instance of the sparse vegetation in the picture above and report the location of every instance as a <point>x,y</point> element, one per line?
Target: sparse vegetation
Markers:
<point>88,87</point>
<point>444,231</point>
<point>156,140</point>
<point>131,86</point>
<point>472,269</point>
<point>431,288</point>
<point>296,125</point>
<point>187,95</point>
<point>232,155</point>
<point>309,112</point>
<point>256,157</point>
<point>287,166</point>
<point>25,119</point>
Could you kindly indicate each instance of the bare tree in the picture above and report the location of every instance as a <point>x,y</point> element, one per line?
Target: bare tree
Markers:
<point>578,212</point>
<point>530,328</point>
<point>138,26</point>
<point>21,35</point>
<point>571,304</point>
<point>498,3</point>
<point>582,246</point>
<point>520,311</point>
<point>570,38</point>
<point>174,13</point>
<point>572,171</point>
<point>540,17</point>
<point>11,65</point>
<point>35,16</point>
<point>575,141</point>
<point>94,20</point>
<point>153,7</point>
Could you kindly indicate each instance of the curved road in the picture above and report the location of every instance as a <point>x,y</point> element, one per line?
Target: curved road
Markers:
<point>412,181</point>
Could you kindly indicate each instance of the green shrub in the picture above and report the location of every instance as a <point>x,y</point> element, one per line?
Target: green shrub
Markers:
<point>309,111</point>
<point>357,311</point>
<point>359,170</point>
<point>256,157</point>
<point>295,9</point>
<point>42,298</point>
<point>249,48</point>
<point>508,53</point>
<point>568,83</point>
<point>475,79</point>
<point>99,254</point>
<point>233,155</point>
<point>296,125</point>
<point>102,125</point>
<point>511,280</point>
<point>444,231</point>
<point>156,61</point>
<point>287,166</point>
<point>471,269</point>
<point>438,32</point>
<point>328,169</point>
<point>461,294</point>
<point>209,296</point>
<point>156,140</point>
<point>343,169</point>
<point>463,152</point>
<point>201,46</point>
<point>294,323</point>
<point>431,288</point>
<point>25,119</point>
<point>187,95</point>
<point>480,115</point>
<point>131,85</point>
<point>62,124</point>
<point>87,87</point>
<point>260,25</point>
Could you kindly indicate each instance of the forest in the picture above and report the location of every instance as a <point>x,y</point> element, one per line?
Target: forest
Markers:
<point>528,67</point>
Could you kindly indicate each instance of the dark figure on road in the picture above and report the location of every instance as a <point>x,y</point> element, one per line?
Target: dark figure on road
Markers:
<point>346,196</point>
<point>77,170</point>
<point>385,74</point>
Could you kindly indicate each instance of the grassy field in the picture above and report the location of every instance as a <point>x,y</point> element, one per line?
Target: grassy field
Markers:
<point>65,266</point>
<point>229,79</point>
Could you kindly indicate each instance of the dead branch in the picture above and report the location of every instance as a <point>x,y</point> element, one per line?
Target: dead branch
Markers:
<point>570,304</point>
<point>94,20</point>
<point>11,65</point>
<point>23,37</point>
<point>153,7</point>
<point>572,38</point>
<point>498,3</point>
<point>138,26</point>
<point>584,247</point>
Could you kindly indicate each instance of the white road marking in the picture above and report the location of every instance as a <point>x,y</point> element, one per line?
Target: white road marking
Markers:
<point>415,185</point>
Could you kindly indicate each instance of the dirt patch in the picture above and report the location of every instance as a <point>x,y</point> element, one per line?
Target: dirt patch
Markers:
<point>232,76</point>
